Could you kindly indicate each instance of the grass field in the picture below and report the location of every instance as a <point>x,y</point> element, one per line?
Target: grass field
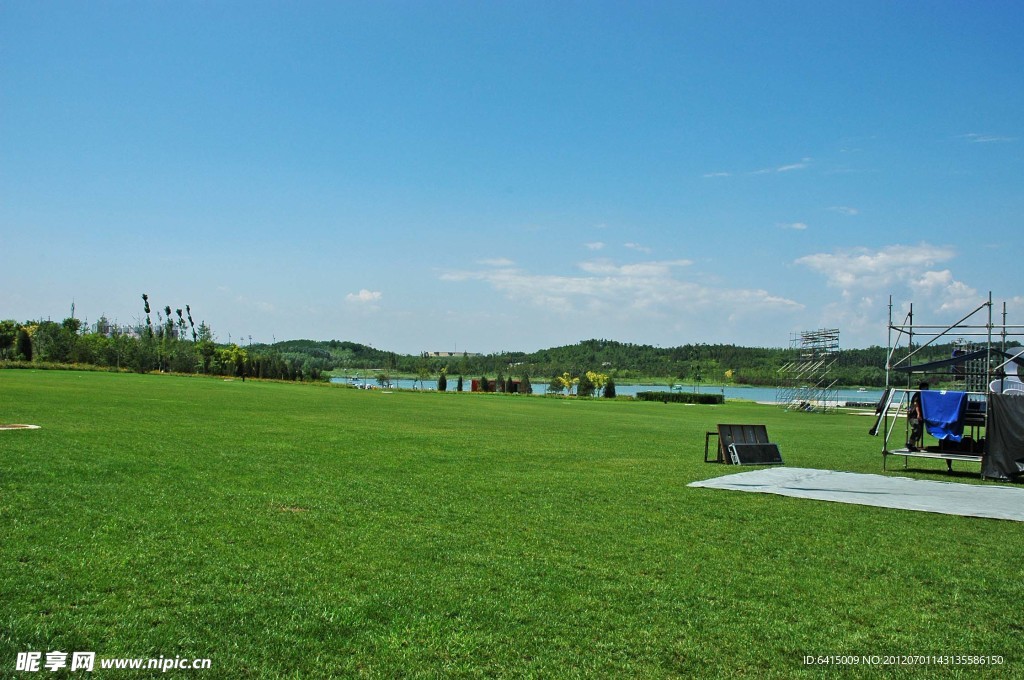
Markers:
<point>290,531</point>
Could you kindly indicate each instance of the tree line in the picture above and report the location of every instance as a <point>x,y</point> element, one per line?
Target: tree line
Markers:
<point>172,343</point>
<point>168,340</point>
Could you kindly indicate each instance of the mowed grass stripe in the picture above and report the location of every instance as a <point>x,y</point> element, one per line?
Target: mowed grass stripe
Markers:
<point>288,530</point>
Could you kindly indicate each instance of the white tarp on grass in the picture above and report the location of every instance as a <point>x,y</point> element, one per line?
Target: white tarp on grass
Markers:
<point>971,500</point>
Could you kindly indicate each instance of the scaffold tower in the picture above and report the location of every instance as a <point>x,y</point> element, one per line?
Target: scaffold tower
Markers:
<point>805,382</point>
<point>971,375</point>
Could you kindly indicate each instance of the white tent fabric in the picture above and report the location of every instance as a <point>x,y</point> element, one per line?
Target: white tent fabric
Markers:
<point>970,500</point>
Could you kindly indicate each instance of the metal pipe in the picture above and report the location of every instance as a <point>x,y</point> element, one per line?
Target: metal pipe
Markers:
<point>947,330</point>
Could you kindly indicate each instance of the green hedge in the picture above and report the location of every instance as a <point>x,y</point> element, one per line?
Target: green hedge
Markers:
<point>55,366</point>
<point>681,397</point>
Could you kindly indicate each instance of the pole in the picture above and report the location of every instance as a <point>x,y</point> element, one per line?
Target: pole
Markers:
<point>888,360</point>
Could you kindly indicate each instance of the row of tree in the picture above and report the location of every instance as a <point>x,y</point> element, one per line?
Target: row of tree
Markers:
<point>716,363</point>
<point>173,342</point>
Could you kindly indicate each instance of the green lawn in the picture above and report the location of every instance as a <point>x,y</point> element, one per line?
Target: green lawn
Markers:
<point>310,531</point>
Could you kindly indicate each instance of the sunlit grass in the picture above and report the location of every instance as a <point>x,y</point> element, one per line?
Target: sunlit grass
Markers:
<point>293,531</point>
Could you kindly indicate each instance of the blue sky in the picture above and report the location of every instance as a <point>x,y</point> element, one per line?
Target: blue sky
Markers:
<point>515,175</point>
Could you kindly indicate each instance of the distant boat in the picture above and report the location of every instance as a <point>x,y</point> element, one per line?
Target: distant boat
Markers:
<point>863,389</point>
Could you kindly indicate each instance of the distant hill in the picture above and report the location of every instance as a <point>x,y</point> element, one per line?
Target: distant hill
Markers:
<point>174,346</point>
<point>711,363</point>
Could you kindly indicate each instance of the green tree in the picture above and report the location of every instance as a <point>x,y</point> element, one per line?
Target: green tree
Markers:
<point>149,320</point>
<point>609,389</point>
<point>567,382</point>
<point>166,333</point>
<point>23,344</point>
<point>90,348</point>
<point>181,324</point>
<point>233,359</point>
<point>585,387</point>
<point>422,373</point>
<point>119,348</point>
<point>207,347</point>
<point>458,385</point>
<point>55,342</point>
<point>524,385</point>
<point>103,326</point>
<point>8,334</point>
<point>442,380</point>
<point>191,323</point>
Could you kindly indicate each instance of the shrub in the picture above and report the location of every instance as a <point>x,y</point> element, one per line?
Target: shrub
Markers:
<point>23,346</point>
<point>609,389</point>
<point>681,397</point>
<point>585,388</point>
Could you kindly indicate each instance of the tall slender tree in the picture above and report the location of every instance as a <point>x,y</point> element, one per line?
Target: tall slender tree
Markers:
<point>191,323</point>
<point>149,321</point>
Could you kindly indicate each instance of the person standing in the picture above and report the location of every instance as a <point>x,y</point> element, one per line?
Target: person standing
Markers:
<point>915,418</point>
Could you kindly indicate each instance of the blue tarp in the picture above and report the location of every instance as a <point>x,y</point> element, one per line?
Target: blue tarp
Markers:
<point>944,413</point>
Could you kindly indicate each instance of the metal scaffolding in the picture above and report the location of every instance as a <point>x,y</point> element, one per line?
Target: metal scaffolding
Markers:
<point>805,383</point>
<point>971,375</point>
<point>984,361</point>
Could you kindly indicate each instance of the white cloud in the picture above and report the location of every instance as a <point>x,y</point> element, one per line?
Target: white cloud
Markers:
<point>794,166</point>
<point>977,138</point>
<point>950,294</point>
<point>364,296</point>
<point>906,272</point>
<point>788,167</point>
<point>796,226</point>
<point>637,247</point>
<point>845,210</point>
<point>596,245</point>
<point>621,292</point>
<point>648,269</point>
<point>860,318</point>
<point>865,268</point>
<point>496,262</point>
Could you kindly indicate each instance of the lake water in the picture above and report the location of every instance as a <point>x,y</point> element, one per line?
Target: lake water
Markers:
<point>759,394</point>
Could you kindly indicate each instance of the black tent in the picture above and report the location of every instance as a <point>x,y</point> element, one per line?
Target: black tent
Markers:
<point>1004,439</point>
